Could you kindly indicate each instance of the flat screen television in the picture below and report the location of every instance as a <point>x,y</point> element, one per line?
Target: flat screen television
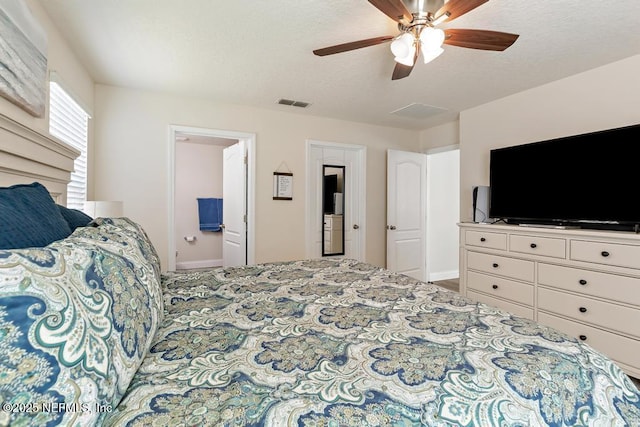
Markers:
<point>590,180</point>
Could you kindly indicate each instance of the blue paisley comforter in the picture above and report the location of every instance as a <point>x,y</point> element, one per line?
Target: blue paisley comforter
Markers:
<point>338,342</point>
<point>77,318</point>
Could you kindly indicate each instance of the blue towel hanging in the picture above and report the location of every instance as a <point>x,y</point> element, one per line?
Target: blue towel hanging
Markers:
<point>210,213</point>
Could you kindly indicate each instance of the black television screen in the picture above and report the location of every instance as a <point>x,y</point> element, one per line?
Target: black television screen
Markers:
<point>589,180</point>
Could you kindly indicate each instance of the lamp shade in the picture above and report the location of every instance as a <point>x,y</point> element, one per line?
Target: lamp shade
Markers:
<point>430,55</point>
<point>404,49</point>
<point>431,38</point>
<point>401,46</point>
<point>407,59</point>
<point>104,209</point>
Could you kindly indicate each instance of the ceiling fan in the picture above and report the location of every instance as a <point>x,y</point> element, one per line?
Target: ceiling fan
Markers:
<point>417,21</point>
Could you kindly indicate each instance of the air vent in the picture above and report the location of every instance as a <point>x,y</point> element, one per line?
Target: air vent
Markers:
<point>292,103</point>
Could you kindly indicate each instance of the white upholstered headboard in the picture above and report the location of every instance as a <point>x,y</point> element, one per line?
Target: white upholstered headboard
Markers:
<point>27,156</point>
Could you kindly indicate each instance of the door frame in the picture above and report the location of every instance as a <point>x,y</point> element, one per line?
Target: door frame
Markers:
<point>361,153</point>
<point>250,147</point>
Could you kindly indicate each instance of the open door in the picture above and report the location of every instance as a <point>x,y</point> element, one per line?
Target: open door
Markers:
<point>234,181</point>
<point>406,213</point>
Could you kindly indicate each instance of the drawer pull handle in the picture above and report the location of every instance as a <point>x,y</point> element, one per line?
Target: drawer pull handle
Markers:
<point>604,254</point>
<point>582,282</point>
<point>495,286</point>
<point>495,265</point>
<point>583,337</point>
<point>533,246</point>
<point>482,239</point>
<point>583,309</point>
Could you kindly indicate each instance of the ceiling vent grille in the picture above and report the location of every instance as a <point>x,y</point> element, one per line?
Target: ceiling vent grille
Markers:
<point>292,103</point>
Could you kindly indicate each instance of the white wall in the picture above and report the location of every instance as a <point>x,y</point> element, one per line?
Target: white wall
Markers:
<point>443,184</point>
<point>131,131</point>
<point>198,173</point>
<point>602,98</point>
<point>444,135</point>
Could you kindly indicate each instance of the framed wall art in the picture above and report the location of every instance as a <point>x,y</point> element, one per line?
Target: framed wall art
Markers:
<point>282,186</point>
<point>23,58</point>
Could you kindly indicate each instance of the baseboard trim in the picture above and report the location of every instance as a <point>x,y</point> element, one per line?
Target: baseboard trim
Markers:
<point>205,263</point>
<point>444,275</point>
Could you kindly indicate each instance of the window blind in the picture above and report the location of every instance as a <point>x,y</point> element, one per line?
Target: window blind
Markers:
<point>70,123</point>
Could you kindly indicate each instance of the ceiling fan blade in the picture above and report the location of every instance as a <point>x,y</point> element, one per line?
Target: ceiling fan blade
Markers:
<point>457,8</point>
<point>394,9</point>
<point>479,39</point>
<point>345,47</point>
<point>400,71</point>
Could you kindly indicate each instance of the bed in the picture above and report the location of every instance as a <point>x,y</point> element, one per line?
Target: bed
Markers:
<point>340,342</point>
<point>92,332</point>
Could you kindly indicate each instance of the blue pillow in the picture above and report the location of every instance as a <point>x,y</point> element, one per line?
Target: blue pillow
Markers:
<point>74,217</point>
<point>29,217</point>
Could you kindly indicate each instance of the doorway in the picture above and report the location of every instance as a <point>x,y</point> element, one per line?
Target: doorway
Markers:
<point>423,211</point>
<point>335,200</point>
<point>198,157</point>
<point>443,213</point>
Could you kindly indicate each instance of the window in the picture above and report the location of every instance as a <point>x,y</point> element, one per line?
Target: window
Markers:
<point>69,122</point>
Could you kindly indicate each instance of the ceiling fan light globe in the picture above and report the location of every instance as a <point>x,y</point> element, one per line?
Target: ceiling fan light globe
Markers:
<point>431,38</point>
<point>408,58</point>
<point>402,45</point>
<point>398,48</point>
<point>430,55</point>
<point>408,61</point>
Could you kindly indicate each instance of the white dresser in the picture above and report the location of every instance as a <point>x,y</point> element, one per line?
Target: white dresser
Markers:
<point>583,282</point>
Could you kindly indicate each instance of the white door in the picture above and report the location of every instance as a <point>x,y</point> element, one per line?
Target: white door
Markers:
<point>234,232</point>
<point>352,157</point>
<point>353,221</point>
<point>406,212</point>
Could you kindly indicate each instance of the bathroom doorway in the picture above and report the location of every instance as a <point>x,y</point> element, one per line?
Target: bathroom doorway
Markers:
<point>211,165</point>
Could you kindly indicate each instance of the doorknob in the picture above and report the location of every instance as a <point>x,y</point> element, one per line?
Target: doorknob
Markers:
<point>391,227</point>
<point>356,226</point>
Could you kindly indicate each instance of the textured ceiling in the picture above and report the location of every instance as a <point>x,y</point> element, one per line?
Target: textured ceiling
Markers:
<point>253,52</point>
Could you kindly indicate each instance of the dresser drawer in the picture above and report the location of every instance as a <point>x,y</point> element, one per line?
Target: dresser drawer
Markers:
<point>621,349</point>
<point>603,285</point>
<point>595,312</point>
<point>486,239</point>
<point>507,306</point>
<point>545,246</point>
<point>502,288</point>
<point>617,254</point>
<point>503,266</point>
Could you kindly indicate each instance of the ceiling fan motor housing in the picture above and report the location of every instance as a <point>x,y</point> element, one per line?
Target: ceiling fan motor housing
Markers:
<point>423,7</point>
